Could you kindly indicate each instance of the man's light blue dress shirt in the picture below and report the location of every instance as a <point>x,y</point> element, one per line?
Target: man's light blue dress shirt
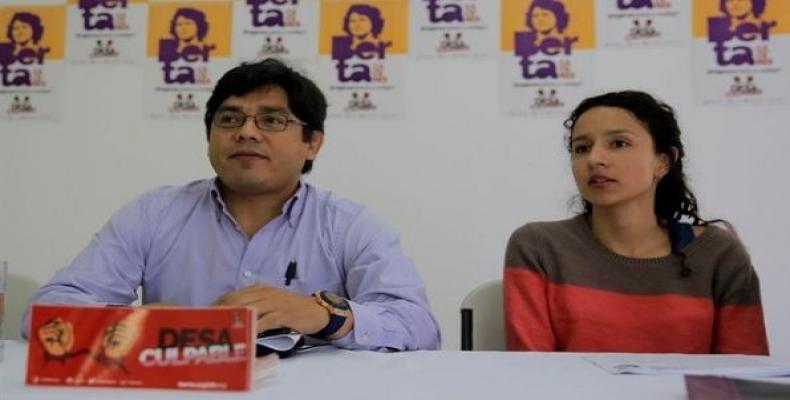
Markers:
<point>182,246</point>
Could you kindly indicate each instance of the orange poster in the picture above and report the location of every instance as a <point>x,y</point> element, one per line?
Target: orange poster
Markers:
<point>31,61</point>
<point>362,47</point>
<point>546,61</point>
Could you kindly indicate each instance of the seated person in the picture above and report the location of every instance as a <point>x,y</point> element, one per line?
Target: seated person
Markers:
<point>630,274</point>
<point>258,234</point>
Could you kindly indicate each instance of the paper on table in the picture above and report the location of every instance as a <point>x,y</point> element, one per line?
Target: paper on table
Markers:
<point>265,366</point>
<point>282,342</point>
<point>677,364</point>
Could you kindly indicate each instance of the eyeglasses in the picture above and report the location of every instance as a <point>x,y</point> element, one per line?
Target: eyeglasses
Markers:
<point>267,121</point>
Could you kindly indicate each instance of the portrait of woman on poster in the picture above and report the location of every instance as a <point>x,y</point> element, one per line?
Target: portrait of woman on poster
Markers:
<point>25,32</point>
<point>363,24</point>
<point>638,270</point>
<point>189,27</point>
<point>547,19</point>
<point>742,12</point>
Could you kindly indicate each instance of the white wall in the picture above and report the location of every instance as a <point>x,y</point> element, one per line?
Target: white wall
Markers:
<point>453,177</point>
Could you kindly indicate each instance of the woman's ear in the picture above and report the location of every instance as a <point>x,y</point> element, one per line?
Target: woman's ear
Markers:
<point>675,154</point>
<point>666,161</point>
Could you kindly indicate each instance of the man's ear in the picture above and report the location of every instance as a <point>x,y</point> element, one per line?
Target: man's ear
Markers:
<point>314,145</point>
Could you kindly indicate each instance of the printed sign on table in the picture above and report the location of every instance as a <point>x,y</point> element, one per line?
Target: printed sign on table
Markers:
<point>177,348</point>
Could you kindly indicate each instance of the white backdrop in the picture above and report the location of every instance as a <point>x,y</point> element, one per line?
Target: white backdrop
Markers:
<point>453,177</point>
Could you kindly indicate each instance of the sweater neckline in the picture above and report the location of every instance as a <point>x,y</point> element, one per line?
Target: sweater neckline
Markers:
<point>668,259</point>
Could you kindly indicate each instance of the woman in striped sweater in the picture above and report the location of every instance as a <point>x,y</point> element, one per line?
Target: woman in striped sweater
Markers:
<point>638,270</point>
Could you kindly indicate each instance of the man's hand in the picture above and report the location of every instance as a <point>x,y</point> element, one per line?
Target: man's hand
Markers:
<point>276,308</point>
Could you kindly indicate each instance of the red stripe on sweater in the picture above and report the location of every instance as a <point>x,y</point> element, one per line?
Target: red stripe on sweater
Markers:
<point>544,316</point>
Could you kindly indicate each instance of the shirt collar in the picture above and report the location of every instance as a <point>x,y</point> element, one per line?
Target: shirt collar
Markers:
<point>291,210</point>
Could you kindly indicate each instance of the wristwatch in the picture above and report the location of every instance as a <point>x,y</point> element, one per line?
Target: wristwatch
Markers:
<point>339,311</point>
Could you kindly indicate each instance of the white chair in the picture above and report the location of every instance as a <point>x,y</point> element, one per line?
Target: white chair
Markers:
<point>482,324</point>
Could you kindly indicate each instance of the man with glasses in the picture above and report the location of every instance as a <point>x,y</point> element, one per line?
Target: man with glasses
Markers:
<point>258,234</point>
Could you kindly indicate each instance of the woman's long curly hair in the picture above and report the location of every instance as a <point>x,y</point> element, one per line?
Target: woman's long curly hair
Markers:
<point>674,199</point>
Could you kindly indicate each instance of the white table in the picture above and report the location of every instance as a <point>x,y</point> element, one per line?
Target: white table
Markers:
<point>328,373</point>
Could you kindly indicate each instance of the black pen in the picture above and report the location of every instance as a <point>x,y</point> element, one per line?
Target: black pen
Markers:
<point>290,273</point>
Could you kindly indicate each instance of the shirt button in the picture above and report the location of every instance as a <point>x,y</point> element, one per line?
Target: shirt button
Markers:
<point>247,274</point>
<point>364,338</point>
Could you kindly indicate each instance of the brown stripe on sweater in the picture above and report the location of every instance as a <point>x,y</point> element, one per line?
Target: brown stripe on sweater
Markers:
<point>566,252</point>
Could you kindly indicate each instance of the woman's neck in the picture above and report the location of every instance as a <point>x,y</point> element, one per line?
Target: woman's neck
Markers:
<point>630,231</point>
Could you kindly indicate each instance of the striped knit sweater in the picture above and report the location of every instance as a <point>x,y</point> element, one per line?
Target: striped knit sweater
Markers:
<point>565,291</point>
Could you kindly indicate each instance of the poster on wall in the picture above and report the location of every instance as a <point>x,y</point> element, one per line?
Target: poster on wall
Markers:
<point>362,52</point>
<point>285,29</point>
<point>741,51</point>
<point>546,60</point>
<point>31,61</point>
<point>454,28</point>
<point>188,49</point>
<point>643,23</point>
<point>106,31</point>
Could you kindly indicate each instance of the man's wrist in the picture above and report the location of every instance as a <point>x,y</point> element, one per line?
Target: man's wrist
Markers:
<point>344,330</point>
<point>339,314</point>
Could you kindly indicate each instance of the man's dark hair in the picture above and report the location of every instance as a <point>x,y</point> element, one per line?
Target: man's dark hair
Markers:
<point>304,98</point>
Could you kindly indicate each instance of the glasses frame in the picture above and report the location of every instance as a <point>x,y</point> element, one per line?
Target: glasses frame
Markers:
<point>255,120</point>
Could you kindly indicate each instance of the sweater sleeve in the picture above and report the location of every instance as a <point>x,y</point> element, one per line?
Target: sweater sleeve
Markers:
<point>525,293</point>
<point>739,327</point>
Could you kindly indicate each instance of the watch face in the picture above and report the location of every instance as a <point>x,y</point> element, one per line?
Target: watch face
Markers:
<point>334,300</point>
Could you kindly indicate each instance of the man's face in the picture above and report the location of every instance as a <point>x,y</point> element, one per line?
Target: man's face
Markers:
<point>253,161</point>
<point>57,337</point>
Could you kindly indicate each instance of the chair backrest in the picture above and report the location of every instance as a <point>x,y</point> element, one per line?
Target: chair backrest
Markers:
<point>482,324</point>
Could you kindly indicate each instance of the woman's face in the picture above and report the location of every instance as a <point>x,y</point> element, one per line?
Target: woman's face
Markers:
<point>543,20</point>
<point>613,158</point>
<point>359,25</point>
<point>738,8</point>
<point>186,29</point>
<point>21,32</point>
